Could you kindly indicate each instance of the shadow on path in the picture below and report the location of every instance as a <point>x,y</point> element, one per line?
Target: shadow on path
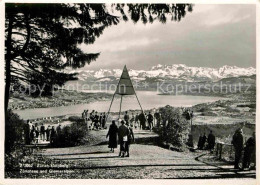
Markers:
<point>85,153</point>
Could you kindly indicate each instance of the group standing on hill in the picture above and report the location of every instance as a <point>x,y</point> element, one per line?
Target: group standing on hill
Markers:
<point>143,121</point>
<point>94,120</point>
<point>248,148</point>
<point>33,133</point>
<point>210,140</point>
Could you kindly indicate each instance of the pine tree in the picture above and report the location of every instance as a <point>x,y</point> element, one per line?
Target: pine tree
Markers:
<point>41,40</point>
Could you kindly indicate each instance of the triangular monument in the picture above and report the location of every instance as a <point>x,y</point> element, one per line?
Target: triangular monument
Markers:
<point>124,87</point>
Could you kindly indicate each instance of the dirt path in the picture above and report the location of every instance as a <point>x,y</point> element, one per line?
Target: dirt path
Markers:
<point>145,161</point>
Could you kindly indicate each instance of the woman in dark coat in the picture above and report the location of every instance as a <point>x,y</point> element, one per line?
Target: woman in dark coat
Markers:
<point>112,133</point>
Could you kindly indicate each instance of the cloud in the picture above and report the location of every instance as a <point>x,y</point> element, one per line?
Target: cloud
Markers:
<point>122,45</point>
<point>228,14</point>
<point>227,19</point>
<point>210,36</point>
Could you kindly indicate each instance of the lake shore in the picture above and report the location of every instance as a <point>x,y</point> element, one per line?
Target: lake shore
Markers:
<point>207,110</point>
<point>58,99</point>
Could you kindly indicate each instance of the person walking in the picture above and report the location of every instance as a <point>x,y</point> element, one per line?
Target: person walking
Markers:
<point>122,138</point>
<point>89,122</point>
<point>52,135</point>
<point>130,139</point>
<point>58,129</point>
<point>58,134</point>
<point>96,120</point>
<point>100,120</point>
<point>249,153</point>
<point>83,115</point>
<point>137,121</point>
<point>132,120</point>
<point>48,132</point>
<point>238,142</point>
<point>92,119</point>
<point>142,119</point>
<point>104,120</point>
<point>112,134</point>
<point>150,121</point>
<point>42,132</point>
<point>32,134</point>
<point>146,117</point>
<point>37,134</point>
<point>203,141</point>
<point>211,141</point>
<point>126,118</point>
<point>199,142</point>
<point>157,118</point>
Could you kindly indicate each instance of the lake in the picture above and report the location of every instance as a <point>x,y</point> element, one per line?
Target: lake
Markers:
<point>148,100</point>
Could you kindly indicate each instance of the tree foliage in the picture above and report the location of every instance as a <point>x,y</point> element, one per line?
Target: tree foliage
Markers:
<point>43,39</point>
<point>13,131</point>
<point>175,126</point>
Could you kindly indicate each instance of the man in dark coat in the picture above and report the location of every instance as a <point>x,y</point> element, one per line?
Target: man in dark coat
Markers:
<point>112,134</point>
<point>157,116</point>
<point>122,138</point>
<point>249,152</point>
<point>137,120</point>
<point>58,135</point>
<point>150,120</point>
<point>96,120</point>
<point>52,135</point>
<point>199,142</point>
<point>32,134</point>
<point>126,118</point>
<point>238,142</point>
<point>104,120</point>
<point>142,120</point>
<point>48,131</point>
<point>130,139</point>
<point>101,120</point>
<point>203,141</point>
<point>42,131</point>
<point>211,141</point>
<point>58,129</point>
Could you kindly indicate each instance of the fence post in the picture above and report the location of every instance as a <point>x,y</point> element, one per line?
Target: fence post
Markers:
<point>217,149</point>
<point>220,152</point>
<point>231,151</point>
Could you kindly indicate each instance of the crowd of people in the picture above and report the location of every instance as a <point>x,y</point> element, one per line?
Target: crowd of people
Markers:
<point>34,133</point>
<point>124,135</point>
<point>94,120</point>
<point>142,120</point>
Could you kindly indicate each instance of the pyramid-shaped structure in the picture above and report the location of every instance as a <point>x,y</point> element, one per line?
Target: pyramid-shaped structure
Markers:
<point>125,86</point>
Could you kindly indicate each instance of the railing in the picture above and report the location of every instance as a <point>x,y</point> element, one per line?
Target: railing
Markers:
<point>225,151</point>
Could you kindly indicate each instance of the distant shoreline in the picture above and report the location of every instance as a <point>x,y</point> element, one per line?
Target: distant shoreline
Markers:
<point>60,99</point>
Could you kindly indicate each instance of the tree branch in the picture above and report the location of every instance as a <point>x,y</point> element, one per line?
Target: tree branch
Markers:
<point>28,28</point>
<point>18,33</point>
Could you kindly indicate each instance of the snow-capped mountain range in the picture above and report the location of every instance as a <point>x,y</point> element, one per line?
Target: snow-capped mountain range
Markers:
<point>160,72</point>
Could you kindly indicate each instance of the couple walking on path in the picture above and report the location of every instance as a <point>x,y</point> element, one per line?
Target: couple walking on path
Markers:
<point>125,137</point>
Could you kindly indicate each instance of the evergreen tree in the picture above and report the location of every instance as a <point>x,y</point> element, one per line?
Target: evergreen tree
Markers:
<point>41,40</point>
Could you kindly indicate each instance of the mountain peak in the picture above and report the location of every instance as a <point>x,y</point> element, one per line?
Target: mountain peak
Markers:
<point>173,71</point>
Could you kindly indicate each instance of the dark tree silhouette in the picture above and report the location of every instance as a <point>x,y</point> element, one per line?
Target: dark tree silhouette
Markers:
<point>41,40</point>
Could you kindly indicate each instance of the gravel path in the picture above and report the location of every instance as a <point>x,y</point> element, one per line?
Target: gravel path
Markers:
<point>145,161</point>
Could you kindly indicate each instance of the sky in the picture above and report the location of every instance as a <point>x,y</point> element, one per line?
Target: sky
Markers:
<point>209,36</point>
